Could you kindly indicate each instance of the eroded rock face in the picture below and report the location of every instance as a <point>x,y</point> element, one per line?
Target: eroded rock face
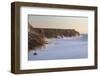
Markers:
<point>36,36</point>
<point>54,33</point>
<point>35,41</point>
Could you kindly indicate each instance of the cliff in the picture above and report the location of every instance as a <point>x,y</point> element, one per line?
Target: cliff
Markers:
<point>35,41</point>
<point>36,36</point>
<point>55,33</point>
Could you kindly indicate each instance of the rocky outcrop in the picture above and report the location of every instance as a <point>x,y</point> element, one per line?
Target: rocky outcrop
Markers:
<point>36,36</point>
<point>35,41</point>
<point>54,33</point>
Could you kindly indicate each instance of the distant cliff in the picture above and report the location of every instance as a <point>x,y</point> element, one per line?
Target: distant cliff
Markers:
<point>56,33</point>
<point>36,36</point>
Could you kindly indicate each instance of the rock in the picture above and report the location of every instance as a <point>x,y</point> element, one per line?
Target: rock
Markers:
<point>54,33</point>
<point>35,53</point>
<point>36,36</point>
<point>35,41</point>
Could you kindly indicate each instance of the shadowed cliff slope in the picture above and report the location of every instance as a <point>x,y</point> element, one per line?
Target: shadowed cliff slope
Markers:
<point>36,36</point>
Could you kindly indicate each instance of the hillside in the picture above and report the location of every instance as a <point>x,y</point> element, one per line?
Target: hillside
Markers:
<point>36,36</point>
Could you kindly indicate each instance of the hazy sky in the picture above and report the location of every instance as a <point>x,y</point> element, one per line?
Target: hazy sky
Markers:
<point>61,22</point>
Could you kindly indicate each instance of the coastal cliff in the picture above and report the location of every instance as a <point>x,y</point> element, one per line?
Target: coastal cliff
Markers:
<point>36,36</point>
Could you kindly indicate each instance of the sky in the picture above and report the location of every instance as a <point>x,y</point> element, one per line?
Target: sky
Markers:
<point>80,24</point>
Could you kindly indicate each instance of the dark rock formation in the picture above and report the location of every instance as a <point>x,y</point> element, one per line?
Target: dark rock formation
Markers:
<point>35,41</point>
<point>36,36</point>
<point>54,33</point>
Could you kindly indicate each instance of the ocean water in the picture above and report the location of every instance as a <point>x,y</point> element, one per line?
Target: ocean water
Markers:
<point>62,48</point>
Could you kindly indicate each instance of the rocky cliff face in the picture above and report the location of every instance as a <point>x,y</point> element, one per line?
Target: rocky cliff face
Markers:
<point>36,36</point>
<point>35,41</point>
<point>55,33</point>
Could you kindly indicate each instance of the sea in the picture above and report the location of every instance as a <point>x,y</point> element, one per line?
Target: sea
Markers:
<point>62,48</point>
